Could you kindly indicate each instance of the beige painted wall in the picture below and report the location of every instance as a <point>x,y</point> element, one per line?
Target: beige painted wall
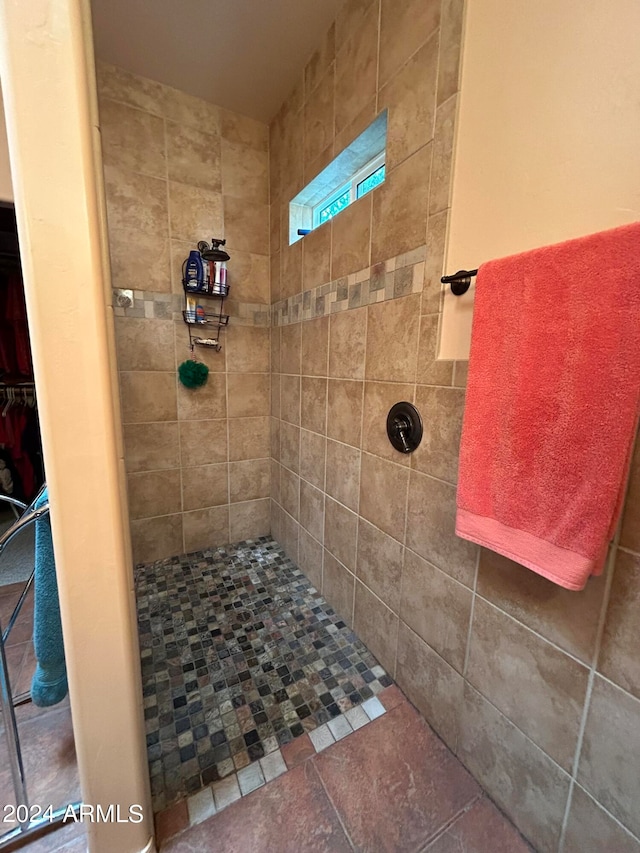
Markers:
<point>179,170</point>
<point>547,135</point>
<point>505,665</point>
<point>46,62</point>
<point>6,188</point>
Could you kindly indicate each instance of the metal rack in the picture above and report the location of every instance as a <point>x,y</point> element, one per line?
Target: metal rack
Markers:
<point>26,829</point>
<point>199,318</point>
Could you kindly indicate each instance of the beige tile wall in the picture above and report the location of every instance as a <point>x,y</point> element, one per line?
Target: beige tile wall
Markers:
<point>537,689</point>
<point>179,170</point>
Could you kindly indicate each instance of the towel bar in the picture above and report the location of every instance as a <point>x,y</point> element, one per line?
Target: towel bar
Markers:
<point>460,281</point>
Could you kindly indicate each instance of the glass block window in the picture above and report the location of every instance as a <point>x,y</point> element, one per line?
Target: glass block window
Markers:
<point>373,180</point>
<point>334,206</point>
<point>358,169</point>
<point>365,179</point>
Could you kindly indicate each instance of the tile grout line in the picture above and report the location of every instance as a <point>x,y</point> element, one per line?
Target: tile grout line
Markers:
<point>333,806</point>
<point>474,593</point>
<point>453,820</point>
<point>609,569</point>
<point>360,451</point>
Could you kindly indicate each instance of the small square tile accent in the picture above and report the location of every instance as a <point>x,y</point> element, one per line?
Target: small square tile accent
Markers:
<point>321,738</point>
<point>250,778</point>
<point>201,806</point>
<point>273,765</point>
<point>226,791</point>
<point>373,708</point>
<point>340,727</point>
<point>357,718</point>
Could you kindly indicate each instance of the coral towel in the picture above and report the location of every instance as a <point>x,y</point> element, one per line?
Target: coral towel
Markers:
<point>552,403</point>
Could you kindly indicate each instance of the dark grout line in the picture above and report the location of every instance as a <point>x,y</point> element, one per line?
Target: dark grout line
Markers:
<point>328,796</point>
<point>456,817</point>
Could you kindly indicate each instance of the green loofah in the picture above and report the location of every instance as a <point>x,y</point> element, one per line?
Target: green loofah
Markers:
<point>193,374</point>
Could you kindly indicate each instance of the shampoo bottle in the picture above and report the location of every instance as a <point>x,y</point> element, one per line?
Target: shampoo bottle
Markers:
<point>193,276</point>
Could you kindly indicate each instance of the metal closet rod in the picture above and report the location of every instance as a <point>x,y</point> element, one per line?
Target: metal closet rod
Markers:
<point>460,281</point>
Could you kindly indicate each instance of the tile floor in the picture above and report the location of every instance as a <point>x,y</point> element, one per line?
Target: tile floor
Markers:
<point>46,737</point>
<point>416,796</point>
<point>240,656</point>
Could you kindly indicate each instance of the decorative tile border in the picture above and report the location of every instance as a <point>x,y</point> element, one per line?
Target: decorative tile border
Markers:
<point>151,305</point>
<point>391,279</point>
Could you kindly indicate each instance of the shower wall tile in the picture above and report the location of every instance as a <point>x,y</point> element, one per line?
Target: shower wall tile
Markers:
<point>437,608</point>
<point>567,618</point>
<point>429,370</point>
<point>315,347</point>
<point>379,563</point>
<point>310,558</point>
<point>356,61</point>
<point>145,344</point>
<point>205,403</point>
<point>249,395</point>
<point>246,224</point>
<point>344,410</point>
<point>205,486</point>
<point>154,493</point>
<point>247,519</point>
<point>245,173</point>
<point>376,625</point>
<point>249,438</point>
<point>290,492</point>
<point>312,510</point>
<point>132,139</point>
<point>248,276</point>
<point>249,480</point>
<point>149,447</point>
<point>136,203</point>
<point>290,349</point>
<point>313,457</point>
<point>290,446</point>
<point>130,261</point>
<point>316,257</point>
<point>399,220</point>
<point>438,451</point>
<point>350,244</point>
<point>525,783</point>
<point>148,397</point>
<point>611,752</point>
<point>290,398</point>
<point>590,827</point>
<point>619,659</point>
<point>203,442</point>
<point>410,97</point>
<point>383,494</point>
<point>151,538</point>
<point>433,686</point>
<point>314,404</point>
<point>203,526</point>
<point>340,526</point>
<point>534,684</point>
<point>347,335</point>
<point>193,212</point>
<point>393,327</point>
<point>431,528</point>
<point>338,587</point>
<point>343,473</point>
<point>248,349</point>
<point>243,130</point>
<point>193,157</point>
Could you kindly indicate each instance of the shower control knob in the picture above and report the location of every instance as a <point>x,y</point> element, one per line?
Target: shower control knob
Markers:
<point>404,427</point>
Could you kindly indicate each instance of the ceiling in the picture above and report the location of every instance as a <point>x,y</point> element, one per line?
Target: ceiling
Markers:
<point>244,55</point>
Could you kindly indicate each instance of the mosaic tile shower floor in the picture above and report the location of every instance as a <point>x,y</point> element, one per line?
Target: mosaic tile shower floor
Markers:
<point>240,655</point>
